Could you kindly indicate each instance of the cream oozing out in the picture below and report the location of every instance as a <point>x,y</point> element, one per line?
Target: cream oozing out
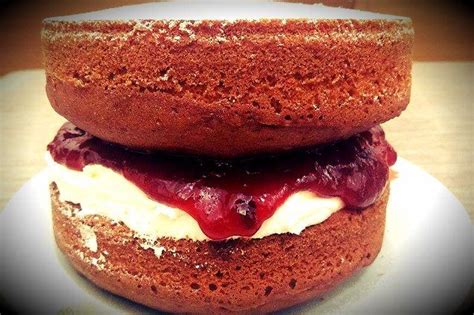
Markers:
<point>102,191</point>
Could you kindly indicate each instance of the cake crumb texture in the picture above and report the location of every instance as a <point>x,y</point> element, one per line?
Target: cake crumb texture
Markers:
<point>224,88</point>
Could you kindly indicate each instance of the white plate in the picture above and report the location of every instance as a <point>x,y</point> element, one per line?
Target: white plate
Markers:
<point>426,263</point>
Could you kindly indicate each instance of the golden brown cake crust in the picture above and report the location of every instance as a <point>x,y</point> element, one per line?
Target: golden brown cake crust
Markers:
<point>246,276</point>
<point>227,88</point>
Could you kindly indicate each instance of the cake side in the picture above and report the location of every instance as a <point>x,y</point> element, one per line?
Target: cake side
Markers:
<point>215,277</point>
<point>145,84</point>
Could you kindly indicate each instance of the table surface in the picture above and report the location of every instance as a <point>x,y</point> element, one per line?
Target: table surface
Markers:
<point>435,132</point>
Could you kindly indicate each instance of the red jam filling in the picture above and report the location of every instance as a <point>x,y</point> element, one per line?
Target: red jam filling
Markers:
<point>234,197</point>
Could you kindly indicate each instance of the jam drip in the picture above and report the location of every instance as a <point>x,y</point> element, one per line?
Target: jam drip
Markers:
<point>234,197</point>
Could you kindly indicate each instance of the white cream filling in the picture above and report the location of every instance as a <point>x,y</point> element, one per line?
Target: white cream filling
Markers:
<point>102,191</point>
<point>88,237</point>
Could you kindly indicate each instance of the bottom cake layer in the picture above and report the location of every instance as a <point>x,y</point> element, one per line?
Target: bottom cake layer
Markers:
<point>238,275</point>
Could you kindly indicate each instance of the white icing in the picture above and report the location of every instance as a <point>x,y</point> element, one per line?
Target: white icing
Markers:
<point>157,249</point>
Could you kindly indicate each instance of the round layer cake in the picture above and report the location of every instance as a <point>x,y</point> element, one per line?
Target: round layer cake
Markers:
<point>227,80</point>
<point>200,235</point>
<point>240,275</point>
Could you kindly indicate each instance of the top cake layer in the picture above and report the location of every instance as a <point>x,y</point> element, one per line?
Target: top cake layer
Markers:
<point>227,88</point>
<point>229,11</point>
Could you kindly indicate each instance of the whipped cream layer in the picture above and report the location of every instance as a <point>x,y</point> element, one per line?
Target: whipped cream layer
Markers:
<point>102,191</point>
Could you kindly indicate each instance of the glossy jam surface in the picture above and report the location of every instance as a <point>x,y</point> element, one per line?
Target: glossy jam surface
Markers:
<point>234,197</point>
